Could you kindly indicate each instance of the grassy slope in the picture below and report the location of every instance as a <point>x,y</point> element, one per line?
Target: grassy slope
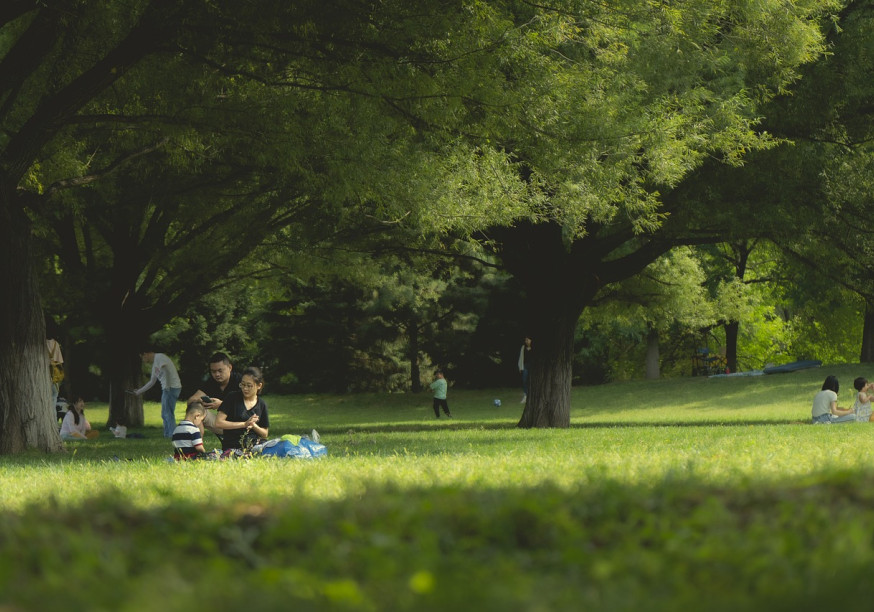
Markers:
<point>667,494</point>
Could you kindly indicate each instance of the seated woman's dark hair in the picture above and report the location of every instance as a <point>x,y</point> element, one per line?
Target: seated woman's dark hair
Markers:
<point>77,397</point>
<point>831,384</point>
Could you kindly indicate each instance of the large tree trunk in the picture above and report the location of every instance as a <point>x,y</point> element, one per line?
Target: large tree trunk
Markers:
<point>125,372</point>
<point>27,418</point>
<point>739,257</point>
<point>653,371</point>
<point>557,288</point>
<point>560,278</point>
<point>415,372</point>
<point>731,331</point>
<point>550,372</point>
<point>867,353</point>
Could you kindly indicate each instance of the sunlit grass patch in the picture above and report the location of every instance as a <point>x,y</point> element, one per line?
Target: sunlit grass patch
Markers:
<point>652,499</point>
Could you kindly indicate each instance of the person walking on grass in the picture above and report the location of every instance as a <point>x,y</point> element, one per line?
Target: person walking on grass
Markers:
<point>163,370</point>
<point>439,389</point>
<point>825,405</point>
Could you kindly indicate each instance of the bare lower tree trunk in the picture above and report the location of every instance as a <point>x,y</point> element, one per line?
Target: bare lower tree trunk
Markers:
<point>125,372</point>
<point>867,352</point>
<point>653,371</point>
<point>27,418</point>
<point>731,331</point>
<point>415,372</point>
<point>124,408</point>
<point>550,370</point>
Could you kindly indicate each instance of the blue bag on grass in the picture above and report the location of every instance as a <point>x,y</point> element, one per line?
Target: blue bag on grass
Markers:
<point>304,449</point>
<point>316,449</point>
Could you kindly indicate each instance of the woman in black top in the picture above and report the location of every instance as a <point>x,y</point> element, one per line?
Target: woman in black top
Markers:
<point>243,415</point>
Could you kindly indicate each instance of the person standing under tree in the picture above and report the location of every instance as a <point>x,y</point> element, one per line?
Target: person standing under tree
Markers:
<point>439,388</point>
<point>56,360</point>
<point>525,356</point>
<point>163,370</point>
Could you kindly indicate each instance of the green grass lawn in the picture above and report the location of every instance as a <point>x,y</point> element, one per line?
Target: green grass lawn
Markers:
<point>662,495</point>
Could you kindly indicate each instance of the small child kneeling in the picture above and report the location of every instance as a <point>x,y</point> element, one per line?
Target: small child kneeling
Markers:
<point>188,435</point>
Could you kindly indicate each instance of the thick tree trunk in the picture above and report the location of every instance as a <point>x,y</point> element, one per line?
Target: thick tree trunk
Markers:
<point>560,278</point>
<point>125,372</point>
<point>731,331</point>
<point>27,418</point>
<point>415,372</point>
<point>653,371</point>
<point>550,370</point>
<point>867,353</point>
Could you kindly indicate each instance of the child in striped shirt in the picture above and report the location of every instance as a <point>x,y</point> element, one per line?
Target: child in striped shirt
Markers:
<point>188,435</point>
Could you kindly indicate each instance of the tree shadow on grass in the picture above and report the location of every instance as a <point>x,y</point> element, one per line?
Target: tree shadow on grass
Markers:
<point>494,426</point>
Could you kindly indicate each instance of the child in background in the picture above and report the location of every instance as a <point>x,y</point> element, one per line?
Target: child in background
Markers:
<point>439,389</point>
<point>187,436</point>
<point>75,425</point>
<point>862,405</point>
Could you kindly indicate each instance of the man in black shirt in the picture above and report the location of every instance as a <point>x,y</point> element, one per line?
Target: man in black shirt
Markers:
<point>222,380</point>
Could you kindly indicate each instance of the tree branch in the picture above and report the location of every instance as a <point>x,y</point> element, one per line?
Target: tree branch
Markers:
<point>114,165</point>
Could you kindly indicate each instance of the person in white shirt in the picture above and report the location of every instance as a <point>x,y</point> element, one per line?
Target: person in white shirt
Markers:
<point>862,405</point>
<point>163,370</point>
<point>825,405</point>
<point>75,425</point>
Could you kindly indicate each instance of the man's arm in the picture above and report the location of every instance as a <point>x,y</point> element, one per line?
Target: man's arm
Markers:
<point>195,398</point>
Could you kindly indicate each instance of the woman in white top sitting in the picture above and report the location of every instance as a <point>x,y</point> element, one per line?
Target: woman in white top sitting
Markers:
<point>862,405</point>
<point>75,425</point>
<point>825,405</point>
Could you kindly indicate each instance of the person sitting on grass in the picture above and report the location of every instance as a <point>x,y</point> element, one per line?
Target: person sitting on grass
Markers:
<point>75,425</point>
<point>222,380</point>
<point>862,405</point>
<point>187,436</point>
<point>825,405</point>
<point>243,415</point>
